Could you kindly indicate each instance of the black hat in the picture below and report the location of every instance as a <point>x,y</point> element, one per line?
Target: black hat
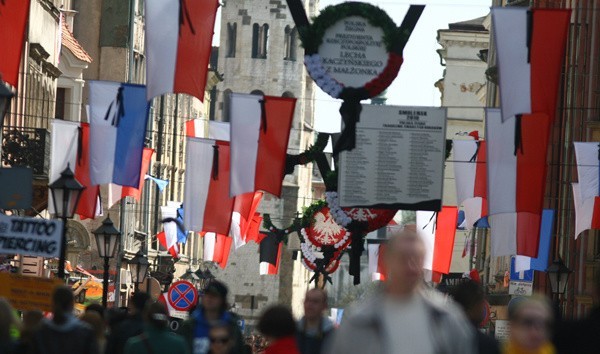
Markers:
<point>217,288</point>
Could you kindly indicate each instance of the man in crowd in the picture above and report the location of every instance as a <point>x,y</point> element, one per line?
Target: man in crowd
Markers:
<point>132,326</point>
<point>64,334</point>
<point>212,310</point>
<point>314,328</point>
<point>402,319</point>
<point>470,296</point>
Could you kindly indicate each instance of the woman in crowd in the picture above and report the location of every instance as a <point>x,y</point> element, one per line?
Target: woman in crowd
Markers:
<point>279,328</point>
<point>221,338</point>
<point>530,327</point>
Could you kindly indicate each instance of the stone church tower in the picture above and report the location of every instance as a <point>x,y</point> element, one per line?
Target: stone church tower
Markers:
<point>260,53</point>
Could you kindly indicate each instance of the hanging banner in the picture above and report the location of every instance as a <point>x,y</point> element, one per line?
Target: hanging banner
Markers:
<point>398,162</point>
<point>30,236</point>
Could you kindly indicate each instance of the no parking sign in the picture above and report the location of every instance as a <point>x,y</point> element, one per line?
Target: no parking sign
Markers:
<point>182,295</point>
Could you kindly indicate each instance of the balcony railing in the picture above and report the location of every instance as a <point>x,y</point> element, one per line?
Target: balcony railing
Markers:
<point>29,147</point>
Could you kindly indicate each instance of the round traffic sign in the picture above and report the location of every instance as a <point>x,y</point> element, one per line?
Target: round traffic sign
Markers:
<point>182,295</point>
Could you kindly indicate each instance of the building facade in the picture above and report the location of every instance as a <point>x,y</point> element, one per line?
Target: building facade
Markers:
<point>260,53</point>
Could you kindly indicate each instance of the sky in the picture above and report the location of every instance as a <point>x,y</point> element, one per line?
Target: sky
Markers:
<point>421,67</point>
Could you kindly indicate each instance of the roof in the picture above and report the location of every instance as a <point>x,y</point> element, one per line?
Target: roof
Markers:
<point>69,41</point>
<point>475,24</point>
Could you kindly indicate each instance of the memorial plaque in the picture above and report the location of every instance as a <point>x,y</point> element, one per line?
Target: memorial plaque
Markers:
<point>398,161</point>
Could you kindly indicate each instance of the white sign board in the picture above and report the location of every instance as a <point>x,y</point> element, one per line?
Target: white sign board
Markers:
<point>502,330</point>
<point>398,161</point>
<point>520,288</point>
<point>353,51</point>
<point>30,236</point>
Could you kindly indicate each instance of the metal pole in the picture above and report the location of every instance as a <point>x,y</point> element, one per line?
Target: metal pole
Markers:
<point>105,284</point>
<point>63,250</point>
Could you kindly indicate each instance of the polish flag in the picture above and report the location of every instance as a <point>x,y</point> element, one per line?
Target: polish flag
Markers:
<point>517,180</point>
<point>470,174</point>
<point>260,130</point>
<point>270,254</point>
<point>376,264</point>
<point>219,131</point>
<point>438,230</point>
<point>523,263</point>
<point>253,233</point>
<point>585,210</point>
<point>70,147</point>
<point>530,46</point>
<point>178,45</point>
<point>244,209</point>
<point>13,24</point>
<point>118,117</point>
<point>588,171</point>
<point>116,192</point>
<point>168,237</point>
<point>216,248</point>
<point>194,128</point>
<point>207,202</point>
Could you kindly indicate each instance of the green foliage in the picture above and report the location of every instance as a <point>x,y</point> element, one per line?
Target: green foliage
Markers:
<point>308,214</point>
<point>312,37</point>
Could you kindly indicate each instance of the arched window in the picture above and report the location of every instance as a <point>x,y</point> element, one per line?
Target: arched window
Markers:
<point>260,41</point>
<point>231,40</point>
<point>257,92</point>
<point>226,108</point>
<point>288,94</point>
<point>290,43</point>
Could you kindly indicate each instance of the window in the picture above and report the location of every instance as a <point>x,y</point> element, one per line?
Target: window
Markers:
<point>61,95</point>
<point>257,92</point>
<point>226,111</point>
<point>231,39</point>
<point>260,39</point>
<point>290,43</point>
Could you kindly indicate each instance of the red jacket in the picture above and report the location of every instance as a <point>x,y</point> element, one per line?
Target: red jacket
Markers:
<point>285,345</point>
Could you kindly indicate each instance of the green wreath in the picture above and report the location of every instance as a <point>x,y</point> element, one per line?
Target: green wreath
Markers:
<point>312,36</point>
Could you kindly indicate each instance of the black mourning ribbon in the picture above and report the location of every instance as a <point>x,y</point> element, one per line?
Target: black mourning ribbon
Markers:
<point>350,112</point>
<point>79,145</point>
<point>184,15</point>
<point>178,222</point>
<point>518,134</point>
<point>431,219</point>
<point>529,34</point>
<point>298,13</point>
<point>474,157</point>
<point>356,250</point>
<point>263,114</point>
<point>118,112</point>
<point>215,166</point>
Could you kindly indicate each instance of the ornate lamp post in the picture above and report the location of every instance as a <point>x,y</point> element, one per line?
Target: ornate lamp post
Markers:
<point>107,240</point>
<point>66,192</point>
<point>139,267</point>
<point>558,275</point>
<point>205,277</point>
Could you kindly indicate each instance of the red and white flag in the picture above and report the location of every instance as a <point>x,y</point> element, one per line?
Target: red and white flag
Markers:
<point>178,45</point>
<point>194,128</point>
<point>516,180</point>
<point>168,237</point>
<point>13,24</point>
<point>216,248</point>
<point>117,192</point>
<point>586,192</point>
<point>208,206</point>
<point>530,46</point>
<point>470,174</point>
<point>70,147</point>
<point>270,254</point>
<point>376,264</point>
<point>438,230</point>
<point>260,130</point>
<point>244,210</point>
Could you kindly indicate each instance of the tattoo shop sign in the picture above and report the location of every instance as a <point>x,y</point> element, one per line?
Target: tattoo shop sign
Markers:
<point>30,236</point>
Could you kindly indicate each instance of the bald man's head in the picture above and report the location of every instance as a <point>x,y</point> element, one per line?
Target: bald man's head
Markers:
<point>404,256</point>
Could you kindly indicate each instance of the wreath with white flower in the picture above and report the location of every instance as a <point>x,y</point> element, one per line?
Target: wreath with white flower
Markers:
<point>372,218</point>
<point>393,38</point>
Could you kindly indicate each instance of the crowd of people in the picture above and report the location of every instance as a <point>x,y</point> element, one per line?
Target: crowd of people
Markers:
<point>404,316</point>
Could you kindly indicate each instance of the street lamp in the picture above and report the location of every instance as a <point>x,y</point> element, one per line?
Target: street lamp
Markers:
<point>107,239</point>
<point>139,267</point>
<point>66,192</point>
<point>6,96</point>
<point>558,274</point>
